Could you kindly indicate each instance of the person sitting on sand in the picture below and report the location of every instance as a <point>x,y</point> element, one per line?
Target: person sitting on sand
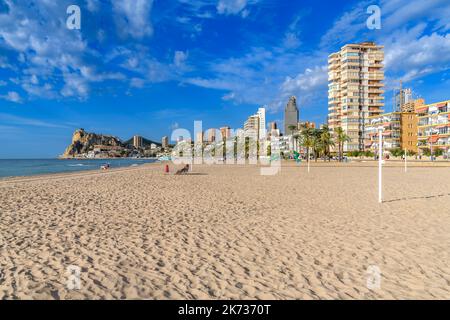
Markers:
<point>184,170</point>
<point>105,166</point>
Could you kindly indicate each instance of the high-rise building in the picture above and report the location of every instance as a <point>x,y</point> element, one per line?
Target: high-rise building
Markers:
<point>251,127</point>
<point>165,142</point>
<point>355,90</point>
<point>262,122</point>
<point>402,97</point>
<point>273,126</point>
<point>137,142</point>
<point>400,131</point>
<point>290,115</point>
<point>211,135</point>
<point>199,137</point>
<point>274,131</point>
<point>226,132</point>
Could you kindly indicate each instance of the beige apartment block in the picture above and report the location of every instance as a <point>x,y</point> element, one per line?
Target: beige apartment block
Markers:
<point>399,131</point>
<point>434,126</point>
<point>355,90</point>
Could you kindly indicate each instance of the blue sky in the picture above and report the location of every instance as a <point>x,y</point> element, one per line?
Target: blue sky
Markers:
<point>146,67</point>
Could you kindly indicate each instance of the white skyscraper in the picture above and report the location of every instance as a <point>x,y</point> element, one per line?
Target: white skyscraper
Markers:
<point>262,122</point>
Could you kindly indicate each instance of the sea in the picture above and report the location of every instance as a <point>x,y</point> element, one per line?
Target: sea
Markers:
<point>32,167</point>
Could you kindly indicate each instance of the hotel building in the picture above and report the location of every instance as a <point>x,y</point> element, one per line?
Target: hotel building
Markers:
<point>255,126</point>
<point>211,135</point>
<point>434,126</point>
<point>262,123</point>
<point>137,142</point>
<point>291,116</point>
<point>400,128</point>
<point>403,97</point>
<point>274,131</point>
<point>251,127</point>
<point>199,137</point>
<point>165,142</point>
<point>400,131</point>
<point>355,90</point>
<point>225,132</point>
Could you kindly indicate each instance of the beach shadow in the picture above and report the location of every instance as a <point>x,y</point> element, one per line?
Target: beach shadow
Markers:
<point>417,198</point>
<point>192,174</point>
<point>196,174</point>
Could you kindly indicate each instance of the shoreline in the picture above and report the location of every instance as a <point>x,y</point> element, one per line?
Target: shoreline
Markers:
<point>285,163</point>
<point>83,172</point>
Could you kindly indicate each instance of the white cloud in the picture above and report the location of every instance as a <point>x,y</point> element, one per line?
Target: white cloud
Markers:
<point>16,120</point>
<point>3,83</point>
<point>347,26</point>
<point>12,96</point>
<point>233,7</point>
<point>291,41</point>
<point>44,45</point>
<point>180,58</point>
<point>174,126</point>
<point>34,79</point>
<point>411,52</point>
<point>4,64</point>
<point>93,5</point>
<point>133,17</point>
<point>292,36</point>
<point>267,76</point>
<point>229,96</point>
<point>309,80</point>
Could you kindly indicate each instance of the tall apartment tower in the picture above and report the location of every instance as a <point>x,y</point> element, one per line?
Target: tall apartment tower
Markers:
<point>355,90</point>
<point>165,142</point>
<point>251,127</point>
<point>290,115</point>
<point>262,122</point>
<point>225,132</point>
<point>402,97</point>
<point>137,142</point>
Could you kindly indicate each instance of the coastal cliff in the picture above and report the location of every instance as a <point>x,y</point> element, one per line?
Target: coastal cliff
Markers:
<point>83,142</point>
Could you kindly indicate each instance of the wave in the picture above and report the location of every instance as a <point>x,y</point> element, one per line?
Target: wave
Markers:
<point>79,165</point>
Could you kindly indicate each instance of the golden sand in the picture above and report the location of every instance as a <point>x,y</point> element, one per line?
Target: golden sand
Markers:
<point>228,232</point>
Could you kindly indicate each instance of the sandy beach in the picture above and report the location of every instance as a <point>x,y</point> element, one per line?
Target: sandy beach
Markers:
<point>226,232</point>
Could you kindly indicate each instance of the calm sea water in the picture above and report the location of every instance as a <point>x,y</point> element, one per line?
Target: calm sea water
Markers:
<point>30,167</point>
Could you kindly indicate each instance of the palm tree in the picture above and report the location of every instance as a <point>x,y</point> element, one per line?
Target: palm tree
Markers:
<point>307,140</point>
<point>341,138</point>
<point>316,145</point>
<point>326,141</point>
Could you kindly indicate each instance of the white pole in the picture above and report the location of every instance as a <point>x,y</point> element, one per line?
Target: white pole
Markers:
<point>308,158</point>
<point>380,164</point>
<point>406,166</point>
